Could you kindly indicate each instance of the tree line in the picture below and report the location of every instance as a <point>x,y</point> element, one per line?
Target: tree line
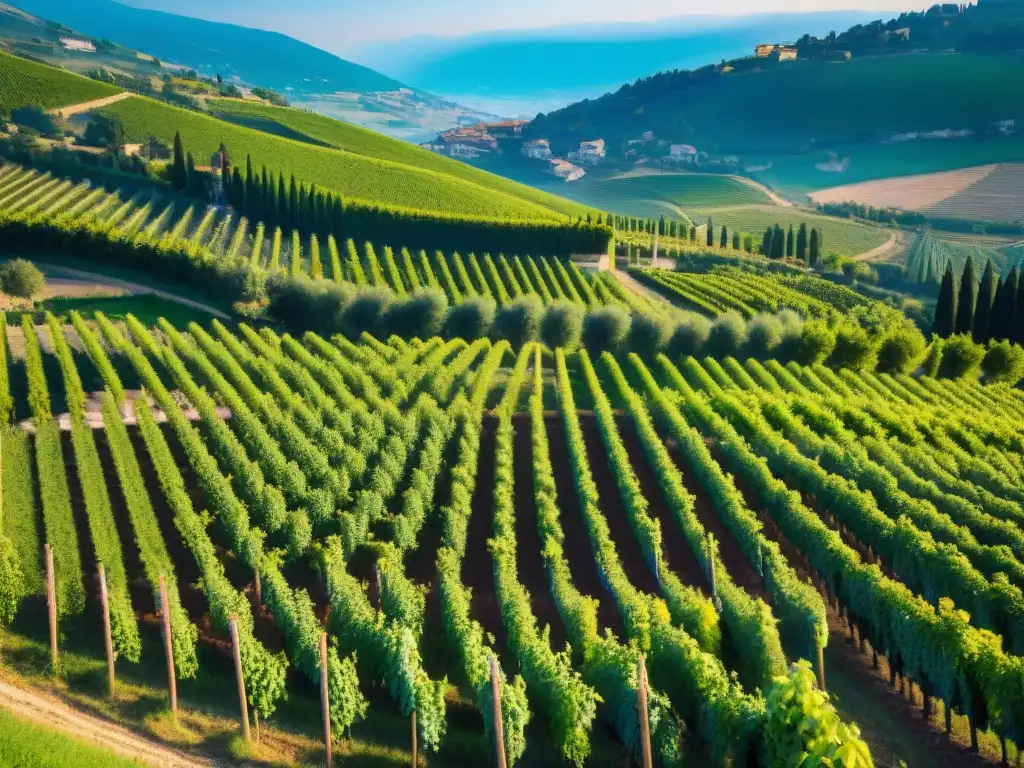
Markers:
<point>279,202</point>
<point>987,310</point>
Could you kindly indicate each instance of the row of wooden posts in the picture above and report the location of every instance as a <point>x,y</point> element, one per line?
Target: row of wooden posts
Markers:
<point>165,631</point>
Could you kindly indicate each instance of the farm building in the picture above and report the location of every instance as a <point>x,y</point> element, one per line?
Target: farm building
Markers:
<point>589,151</point>
<point>538,150</point>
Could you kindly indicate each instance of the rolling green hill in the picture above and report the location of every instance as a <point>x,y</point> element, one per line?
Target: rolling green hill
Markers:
<point>847,238</point>
<point>802,104</point>
<point>360,141</point>
<point>669,194</point>
<point>26,82</point>
<point>353,175</point>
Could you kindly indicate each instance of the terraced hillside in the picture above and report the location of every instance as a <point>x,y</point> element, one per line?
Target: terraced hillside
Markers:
<point>352,138</point>
<point>353,175</point>
<point>27,82</point>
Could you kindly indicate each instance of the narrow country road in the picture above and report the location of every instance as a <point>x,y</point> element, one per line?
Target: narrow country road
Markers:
<point>881,250</point>
<point>135,288</point>
<point>88,106</point>
<point>53,713</point>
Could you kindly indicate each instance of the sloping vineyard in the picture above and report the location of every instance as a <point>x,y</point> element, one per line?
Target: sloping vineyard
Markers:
<point>438,505</point>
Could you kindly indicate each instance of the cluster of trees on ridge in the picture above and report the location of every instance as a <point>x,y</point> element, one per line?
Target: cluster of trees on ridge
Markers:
<point>262,196</point>
<point>991,309</point>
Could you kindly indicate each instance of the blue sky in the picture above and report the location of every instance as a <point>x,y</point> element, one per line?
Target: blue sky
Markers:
<point>338,25</point>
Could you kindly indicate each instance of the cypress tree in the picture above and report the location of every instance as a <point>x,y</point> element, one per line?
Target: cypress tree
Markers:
<point>815,248</point>
<point>193,181</point>
<point>986,298</point>
<point>251,194</point>
<point>693,233</point>
<point>945,308</point>
<point>723,241</point>
<point>661,226</point>
<point>179,172</point>
<point>237,189</point>
<point>1004,310</point>
<point>821,243</point>
<point>966,300</point>
<point>778,242</point>
<point>736,241</point>
<point>293,204</point>
<point>790,245</point>
<point>801,242</point>
<point>766,243</point>
<point>711,234</point>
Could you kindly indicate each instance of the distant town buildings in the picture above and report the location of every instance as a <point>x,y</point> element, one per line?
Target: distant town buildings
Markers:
<point>73,44</point>
<point>565,170</point>
<point>589,152</point>
<point>774,51</point>
<point>539,149</point>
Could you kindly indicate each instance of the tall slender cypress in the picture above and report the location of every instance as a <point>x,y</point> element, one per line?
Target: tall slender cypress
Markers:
<point>179,173</point>
<point>293,204</point>
<point>801,242</point>
<point>766,243</point>
<point>790,244</point>
<point>945,308</point>
<point>724,240</point>
<point>1004,309</point>
<point>966,300</point>
<point>986,299</point>
<point>778,242</point>
<point>711,234</point>
<point>815,248</point>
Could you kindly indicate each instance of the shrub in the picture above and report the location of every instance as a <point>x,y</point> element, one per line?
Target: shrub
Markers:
<point>901,351</point>
<point>366,312</point>
<point>648,335</point>
<point>21,278</point>
<point>961,358</point>
<point>815,343</point>
<point>853,348</point>
<point>1003,362</point>
<point>519,321</point>
<point>422,314</point>
<point>303,303</point>
<point>689,337</point>
<point>764,334</point>
<point>562,326</point>
<point>727,336</point>
<point>471,319</point>
<point>605,329</point>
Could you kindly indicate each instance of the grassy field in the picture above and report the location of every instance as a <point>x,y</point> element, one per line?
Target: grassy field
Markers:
<point>794,176</point>
<point>352,138</point>
<point>26,82</point>
<point>147,307</point>
<point>353,175</point>
<point>23,743</point>
<point>841,236</point>
<point>668,194</point>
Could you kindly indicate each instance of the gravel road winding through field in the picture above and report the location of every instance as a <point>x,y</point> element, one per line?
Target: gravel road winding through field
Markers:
<point>53,713</point>
<point>89,106</point>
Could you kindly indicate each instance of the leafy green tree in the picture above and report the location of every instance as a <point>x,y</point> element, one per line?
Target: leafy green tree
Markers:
<point>961,358</point>
<point>966,300</point>
<point>21,278</point>
<point>901,351</point>
<point>790,244</point>
<point>945,308</point>
<point>736,243</point>
<point>105,131</point>
<point>519,321</point>
<point>986,299</point>
<point>727,336</point>
<point>854,348</point>
<point>562,325</point>
<point>801,242</point>
<point>1003,362</point>
<point>689,337</point>
<point>648,335</point>
<point>605,329</point>
<point>815,343</point>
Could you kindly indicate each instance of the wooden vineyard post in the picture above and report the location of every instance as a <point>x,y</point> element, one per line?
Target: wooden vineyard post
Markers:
<point>107,641</point>
<point>821,668</point>
<point>499,732</point>
<point>259,587</point>
<point>242,704</point>
<point>641,705</point>
<point>51,606</point>
<point>165,623</point>
<point>325,702</point>
<point>414,761</point>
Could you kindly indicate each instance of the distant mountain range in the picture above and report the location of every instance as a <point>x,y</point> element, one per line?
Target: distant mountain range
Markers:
<point>524,72</point>
<point>255,56</point>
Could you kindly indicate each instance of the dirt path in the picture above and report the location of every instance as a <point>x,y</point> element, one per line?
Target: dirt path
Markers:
<point>89,106</point>
<point>58,271</point>
<point>52,713</point>
<point>882,250</point>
